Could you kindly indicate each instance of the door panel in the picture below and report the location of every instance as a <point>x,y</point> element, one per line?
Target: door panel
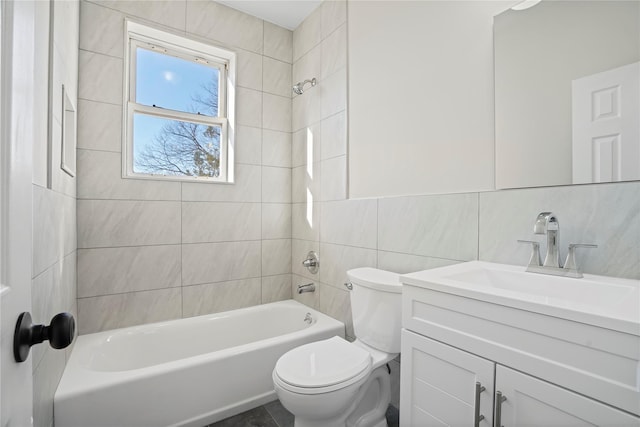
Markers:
<point>16,133</point>
<point>533,402</point>
<point>438,384</point>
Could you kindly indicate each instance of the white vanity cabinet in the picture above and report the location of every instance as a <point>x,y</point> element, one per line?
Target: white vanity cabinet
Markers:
<point>459,353</point>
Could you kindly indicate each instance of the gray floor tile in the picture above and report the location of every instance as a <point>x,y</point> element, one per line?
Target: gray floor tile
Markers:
<point>279,413</point>
<point>257,417</point>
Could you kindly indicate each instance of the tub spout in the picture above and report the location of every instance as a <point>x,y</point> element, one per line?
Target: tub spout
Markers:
<point>309,287</point>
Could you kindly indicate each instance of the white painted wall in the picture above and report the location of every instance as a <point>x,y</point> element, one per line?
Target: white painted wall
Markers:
<point>420,97</point>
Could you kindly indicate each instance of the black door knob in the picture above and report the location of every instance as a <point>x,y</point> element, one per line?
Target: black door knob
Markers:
<point>59,333</point>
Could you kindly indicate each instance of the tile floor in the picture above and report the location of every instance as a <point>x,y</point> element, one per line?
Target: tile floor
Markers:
<point>273,414</point>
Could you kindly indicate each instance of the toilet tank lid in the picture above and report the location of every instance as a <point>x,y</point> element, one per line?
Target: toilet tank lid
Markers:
<point>373,278</point>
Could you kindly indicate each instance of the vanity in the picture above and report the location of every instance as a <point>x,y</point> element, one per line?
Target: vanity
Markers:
<point>488,344</point>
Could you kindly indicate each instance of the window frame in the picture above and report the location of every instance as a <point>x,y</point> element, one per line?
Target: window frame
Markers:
<point>142,36</point>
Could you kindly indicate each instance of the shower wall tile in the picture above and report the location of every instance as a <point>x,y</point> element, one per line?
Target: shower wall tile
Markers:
<point>306,145</point>
<point>100,177</point>
<point>276,185</point>
<point>220,222</point>
<point>585,214</point>
<point>305,183</point>
<point>45,382</point>
<point>246,188</point>
<point>121,310</point>
<point>108,271</point>
<point>248,145</point>
<point>223,296</point>
<point>276,148</point>
<point>249,107</point>
<point>333,90</point>
<point>308,67</point>
<point>276,221</point>
<point>99,126</point>
<point>276,112</point>
<point>109,223</point>
<point>278,42</point>
<point>277,77</point>
<point>219,262</point>
<point>221,23</point>
<point>334,52</point>
<point>338,259</point>
<point>333,14</point>
<point>306,108</point>
<point>311,299</point>
<point>405,263</point>
<point>101,29</point>
<point>336,303</point>
<point>441,226</point>
<point>159,243</point>
<point>349,222</point>
<point>276,288</point>
<point>100,77</point>
<point>307,35</point>
<point>249,70</point>
<point>276,257</point>
<point>334,136</point>
<point>299,251</point>
<point>170,13</point>
<point>334,179</point>
<point>305,221</point>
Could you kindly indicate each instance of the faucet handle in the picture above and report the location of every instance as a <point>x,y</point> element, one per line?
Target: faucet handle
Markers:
<point>570,263</point>
<point>534,260</point>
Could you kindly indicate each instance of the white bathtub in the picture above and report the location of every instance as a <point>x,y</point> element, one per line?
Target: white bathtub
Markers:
<point>187,372</point>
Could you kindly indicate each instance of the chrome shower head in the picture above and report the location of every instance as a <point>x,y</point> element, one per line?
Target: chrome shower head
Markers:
<point>298,88</point>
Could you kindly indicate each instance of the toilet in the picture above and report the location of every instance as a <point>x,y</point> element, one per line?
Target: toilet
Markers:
<point>339,383</point>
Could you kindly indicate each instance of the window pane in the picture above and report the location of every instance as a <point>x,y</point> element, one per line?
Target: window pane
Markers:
<point>175,148</point>
<point>169,82</point>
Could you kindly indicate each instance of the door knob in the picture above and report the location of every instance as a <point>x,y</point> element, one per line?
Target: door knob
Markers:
<point>59,334</point>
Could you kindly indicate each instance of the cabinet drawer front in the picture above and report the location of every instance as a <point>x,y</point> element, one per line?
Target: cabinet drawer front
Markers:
<point>438,384</point>
<point>530,401</point>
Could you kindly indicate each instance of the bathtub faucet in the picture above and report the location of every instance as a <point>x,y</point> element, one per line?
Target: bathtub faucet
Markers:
<point>309,287</point>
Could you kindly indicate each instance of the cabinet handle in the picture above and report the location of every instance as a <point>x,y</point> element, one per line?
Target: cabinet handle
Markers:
<point>498,417</point>
<point>477,417</point>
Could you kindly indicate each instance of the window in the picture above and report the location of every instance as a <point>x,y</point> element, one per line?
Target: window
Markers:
<point>179,108</point>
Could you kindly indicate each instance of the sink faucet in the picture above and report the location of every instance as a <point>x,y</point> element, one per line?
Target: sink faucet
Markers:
<point>547,223</point>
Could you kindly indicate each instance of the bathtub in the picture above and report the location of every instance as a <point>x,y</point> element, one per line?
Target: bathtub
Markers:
<point>187,372</point>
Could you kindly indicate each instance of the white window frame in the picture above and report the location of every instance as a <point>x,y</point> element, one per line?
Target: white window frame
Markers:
<point>138,35</point>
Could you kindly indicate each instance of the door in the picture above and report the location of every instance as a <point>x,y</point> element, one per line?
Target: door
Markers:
<point>533,402</point>
<point>606,126</point>
<point>16,133</point>
<point>443,386</point>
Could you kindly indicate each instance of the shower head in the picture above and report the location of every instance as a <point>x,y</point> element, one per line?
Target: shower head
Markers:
<point>298,88</point>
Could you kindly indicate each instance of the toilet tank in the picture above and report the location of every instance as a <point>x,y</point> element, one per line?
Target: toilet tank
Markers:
<point>376,301</point>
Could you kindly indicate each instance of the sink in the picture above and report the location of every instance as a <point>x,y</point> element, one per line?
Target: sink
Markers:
<point>608,302</point>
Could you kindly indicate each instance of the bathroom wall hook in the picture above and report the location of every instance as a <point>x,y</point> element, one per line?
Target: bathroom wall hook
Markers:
<point>59,333</point>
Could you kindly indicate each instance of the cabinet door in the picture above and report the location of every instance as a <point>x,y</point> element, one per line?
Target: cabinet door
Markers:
<point>533,402</point>
<point>441,385</point>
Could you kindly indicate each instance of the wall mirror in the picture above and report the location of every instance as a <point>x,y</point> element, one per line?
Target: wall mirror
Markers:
<point>567,93</point>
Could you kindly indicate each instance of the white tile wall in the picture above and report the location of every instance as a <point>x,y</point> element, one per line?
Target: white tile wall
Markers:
<point>171,249</point>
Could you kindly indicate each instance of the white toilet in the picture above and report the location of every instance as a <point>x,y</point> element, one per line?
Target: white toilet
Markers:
<point>337,383</point>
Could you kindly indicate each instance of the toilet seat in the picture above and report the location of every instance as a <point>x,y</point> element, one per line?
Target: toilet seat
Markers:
<point>322,366</point>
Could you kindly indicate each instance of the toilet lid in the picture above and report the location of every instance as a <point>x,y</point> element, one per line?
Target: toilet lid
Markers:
<point>322,363</point>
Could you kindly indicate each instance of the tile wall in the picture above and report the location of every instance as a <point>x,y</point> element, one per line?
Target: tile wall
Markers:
<point>53,286</point>
<point>157,250</point>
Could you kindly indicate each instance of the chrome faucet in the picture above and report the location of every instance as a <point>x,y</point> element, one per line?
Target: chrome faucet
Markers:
<point>547,223</point>
<point>309,287</point>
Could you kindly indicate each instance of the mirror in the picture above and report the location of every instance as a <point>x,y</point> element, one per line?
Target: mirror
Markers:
<point>567,93</point>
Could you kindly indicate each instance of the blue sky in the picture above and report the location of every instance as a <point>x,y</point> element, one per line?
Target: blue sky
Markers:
<point>167,82</point>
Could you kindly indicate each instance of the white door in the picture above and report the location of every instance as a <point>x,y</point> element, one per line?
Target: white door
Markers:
<point>443,386</point>
<point>531,402</point>
<point>606,126</point>
<point>16,133</point>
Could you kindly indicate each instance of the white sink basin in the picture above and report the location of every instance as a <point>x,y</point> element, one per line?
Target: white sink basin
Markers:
<point>598,300</point>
